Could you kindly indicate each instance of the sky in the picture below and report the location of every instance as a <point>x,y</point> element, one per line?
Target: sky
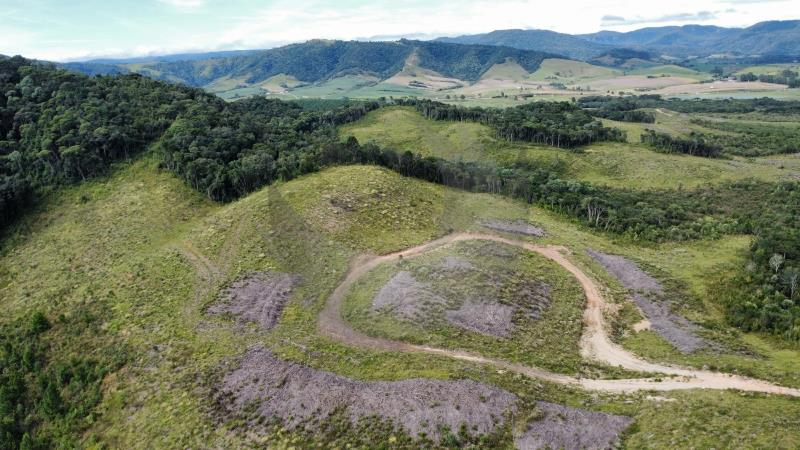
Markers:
<point>69,30</point>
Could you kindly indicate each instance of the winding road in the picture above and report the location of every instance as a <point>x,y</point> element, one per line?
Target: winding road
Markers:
<point>595,343</point>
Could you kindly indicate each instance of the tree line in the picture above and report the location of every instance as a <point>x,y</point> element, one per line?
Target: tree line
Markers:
<point>787,77</point>
<point>557,124</point>
<point>695,145</point>
<point>621,109</point>
<point>764,105</point>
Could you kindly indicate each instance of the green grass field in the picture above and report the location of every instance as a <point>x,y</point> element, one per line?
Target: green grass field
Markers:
<point>669,70</point>
<point>156,253</point>
<point>571,72</point>
<point>768,69</point>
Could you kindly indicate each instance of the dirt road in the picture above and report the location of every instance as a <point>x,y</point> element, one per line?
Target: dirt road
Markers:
<point>595,343</point>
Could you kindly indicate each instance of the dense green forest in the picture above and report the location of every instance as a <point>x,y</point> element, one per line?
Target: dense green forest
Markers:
<point>752,139</point>
<point>59,127</point>
<point>622,109</point>
<point>694,146</point>
<point>558,124</point>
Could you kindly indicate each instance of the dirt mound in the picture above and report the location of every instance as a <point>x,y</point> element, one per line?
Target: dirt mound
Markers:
<point>258,298</point>
<point>568,428</point>
<point>301,396</point>
<point>647,293</point>
<point>405,297</point>
<point>483,317</point>
<point>517,226</point>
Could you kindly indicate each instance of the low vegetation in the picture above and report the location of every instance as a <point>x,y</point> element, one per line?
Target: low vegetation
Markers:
<point>479,296</point>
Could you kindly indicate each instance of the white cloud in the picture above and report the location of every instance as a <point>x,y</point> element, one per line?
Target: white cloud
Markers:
<point>210,25</point>
<point>189,4</point>
<point>702,16</point>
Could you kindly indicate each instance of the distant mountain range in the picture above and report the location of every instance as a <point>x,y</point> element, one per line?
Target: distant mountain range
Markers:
<point>766,38</point>
<point>320,60</point>
<point>461,60</point>
<point>539,40</point>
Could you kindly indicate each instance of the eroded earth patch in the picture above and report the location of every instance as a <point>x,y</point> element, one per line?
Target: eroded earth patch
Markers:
<point>648,294</point>
<point>567,428</point>
<point>298,395</point>
<point>263,388</point>
<point>460,291</point>
<point>258,298</point>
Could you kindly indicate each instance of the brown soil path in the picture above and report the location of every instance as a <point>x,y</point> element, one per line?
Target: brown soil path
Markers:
<point>595,343</point>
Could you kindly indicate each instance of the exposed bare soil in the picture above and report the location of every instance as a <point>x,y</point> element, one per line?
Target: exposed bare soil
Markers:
<point>258,298</point>
<point>301,396</point>
<point>567,428</point>
<point>517,226</point>
<point>647,293</point>
<point>483,317</point>
<point>405,297</point>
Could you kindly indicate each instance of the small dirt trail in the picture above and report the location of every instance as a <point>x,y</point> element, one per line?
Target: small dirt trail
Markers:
<point>664,112</point>
<point>595,343</point>
<point>207,272</point>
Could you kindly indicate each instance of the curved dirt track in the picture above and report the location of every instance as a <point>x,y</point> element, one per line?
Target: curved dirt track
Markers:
<point>595,343</point>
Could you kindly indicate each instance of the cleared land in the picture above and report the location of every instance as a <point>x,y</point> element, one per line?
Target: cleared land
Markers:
<point>595,343</point>
<point>258,298</point>
<point>301,396</point>
<point>505,303</point>
<point>647,292</point>
<point>113,241</point>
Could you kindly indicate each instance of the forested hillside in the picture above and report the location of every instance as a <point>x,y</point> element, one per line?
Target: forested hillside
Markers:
<point>319,60</point>
<point>59,127</point>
